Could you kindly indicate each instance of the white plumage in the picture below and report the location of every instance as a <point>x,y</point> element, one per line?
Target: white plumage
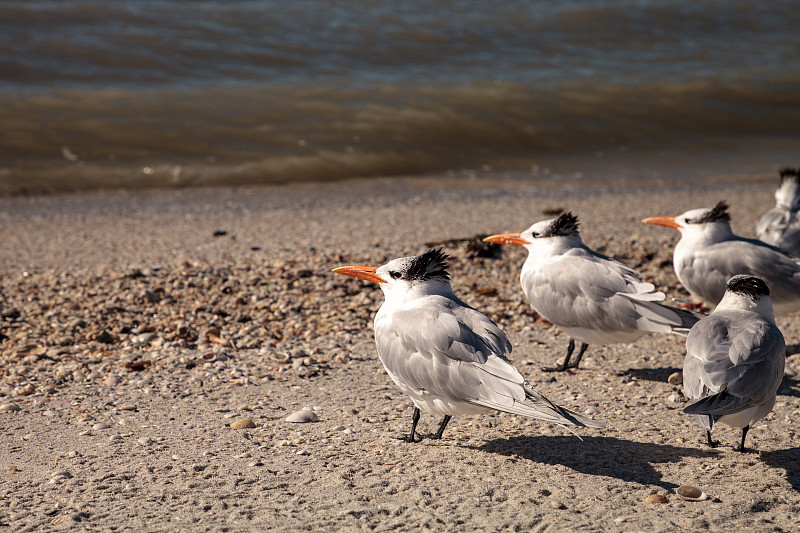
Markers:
<point>592,297</point>
<point>735,359</point>
<point>448,357</point>
<point>780,226</point>
<point>709,253</point>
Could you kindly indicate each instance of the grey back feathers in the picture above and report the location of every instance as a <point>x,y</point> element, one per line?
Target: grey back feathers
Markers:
<point>717,213</point>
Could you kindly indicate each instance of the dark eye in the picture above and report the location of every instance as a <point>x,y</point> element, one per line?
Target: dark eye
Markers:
<point>536,235</point>
<point>394,274</point>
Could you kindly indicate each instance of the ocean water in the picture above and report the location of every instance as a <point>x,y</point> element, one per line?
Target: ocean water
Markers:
<point>138,93</point>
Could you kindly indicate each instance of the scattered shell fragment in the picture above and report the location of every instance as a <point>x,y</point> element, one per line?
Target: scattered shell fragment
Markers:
<point>100,425</point>
<point>676,378</point>
<point>656,498</point>
<point>10,407</point>
<point>127,407</point>
<point>144,441</point>
<point>302,416</point>
<point>12,469</point>
<point>244,423</point>
<point>691,494</point>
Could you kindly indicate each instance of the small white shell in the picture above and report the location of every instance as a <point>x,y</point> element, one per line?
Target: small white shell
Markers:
<point>304,415</point>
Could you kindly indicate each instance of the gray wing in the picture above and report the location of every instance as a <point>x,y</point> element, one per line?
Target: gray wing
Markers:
<point>734,360</point>
<point>447,349</point>
<point>780,227</point>
<point>588,290</point>
<point>707,271</point>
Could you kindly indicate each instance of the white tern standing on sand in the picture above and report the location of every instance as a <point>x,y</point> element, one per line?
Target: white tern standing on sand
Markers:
<point>709,253</point>
<point>448,357</point>
<point>780,226</point>
<point>735,359</point>
<point>593,298</point>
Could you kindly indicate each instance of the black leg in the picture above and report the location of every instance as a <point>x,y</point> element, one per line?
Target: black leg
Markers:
<point>412,437</point>
<point>741,447</point>
<point>711,443</point>
<point>565,365</point>
<point>443,425</point>
<point>580,355</point>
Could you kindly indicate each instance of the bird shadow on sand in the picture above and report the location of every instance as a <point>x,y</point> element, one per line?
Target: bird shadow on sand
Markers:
<point>622,459</point>
<point>650,374</point>
<point>789,460</point>
<point>789,387</point>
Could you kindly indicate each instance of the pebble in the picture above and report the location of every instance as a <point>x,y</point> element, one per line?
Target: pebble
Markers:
<point>10,407</point>
<point>144,441</point>
<point>656,498</point>
<point>304,451</point>
<point>691,494</point>
<point>676,378</point>
<point>302,416</point>
<point>244,423</point>
<point>100,425</point>
<point>127,407</point>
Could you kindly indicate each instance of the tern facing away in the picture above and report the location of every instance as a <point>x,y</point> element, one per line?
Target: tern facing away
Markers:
<point>448,357</point>
<point>735,359</point>
<point>592,297</point>
<point>780,226</point>
<point>709,253</point>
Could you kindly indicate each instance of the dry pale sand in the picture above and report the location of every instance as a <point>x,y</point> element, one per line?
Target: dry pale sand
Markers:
<point>133,337</point>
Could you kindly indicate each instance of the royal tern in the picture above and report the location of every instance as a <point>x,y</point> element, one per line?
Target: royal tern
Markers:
<point>709,253</point>
<point>595,299</point>
<point>448,357</point>
<point>735,359</point>
<point>780,226</point>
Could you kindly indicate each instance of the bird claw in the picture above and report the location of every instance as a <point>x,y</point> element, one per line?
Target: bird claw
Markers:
<point>410,438</point>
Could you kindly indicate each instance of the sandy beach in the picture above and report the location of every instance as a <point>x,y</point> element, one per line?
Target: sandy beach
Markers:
<point>137,327</point>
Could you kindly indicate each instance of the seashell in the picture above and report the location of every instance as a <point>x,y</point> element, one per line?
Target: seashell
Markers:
<point>691,494</point>
<point>656,498</point>
<point>302,416</point>
<point>10,407</point>
<point>100,425</point>
<point>244,423</point>
<point>676,378</point>
<point>281,357</point>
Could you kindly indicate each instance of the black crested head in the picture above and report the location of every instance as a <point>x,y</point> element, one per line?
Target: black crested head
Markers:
<point>750,286</point>
<point>717,213</point>
<point>790,174</point>
<point>566,224</point>
<point>431,264</point>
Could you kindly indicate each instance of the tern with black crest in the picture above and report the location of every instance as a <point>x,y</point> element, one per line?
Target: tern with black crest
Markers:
<point>595,299</point>
<point>780,226</point>
<point>709,253</point>
<point>735,359</point>
<point>448,357</point>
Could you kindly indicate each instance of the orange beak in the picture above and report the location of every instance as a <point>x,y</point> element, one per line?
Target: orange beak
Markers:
<point>667,222</point>
<point>507,238</point>
<point>361,272</point>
